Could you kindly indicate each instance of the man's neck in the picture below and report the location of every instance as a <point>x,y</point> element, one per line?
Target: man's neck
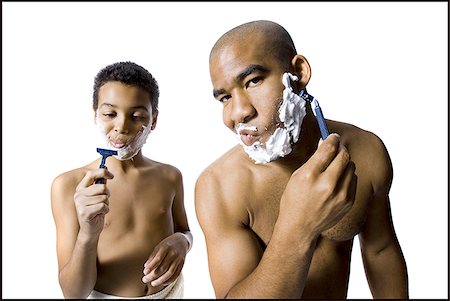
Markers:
<point>306,144</point>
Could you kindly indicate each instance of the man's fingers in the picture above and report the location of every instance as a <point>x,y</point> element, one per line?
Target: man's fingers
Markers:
<point>339,163</point>
<point>349,181</point>
<point>325,153</point>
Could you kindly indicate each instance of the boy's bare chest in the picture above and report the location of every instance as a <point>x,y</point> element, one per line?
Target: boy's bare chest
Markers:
<point>139,217</point>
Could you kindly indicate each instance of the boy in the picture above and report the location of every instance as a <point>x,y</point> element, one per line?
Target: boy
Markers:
<point>129,236</point>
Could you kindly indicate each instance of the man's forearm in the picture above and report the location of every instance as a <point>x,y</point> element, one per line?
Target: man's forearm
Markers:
<point>78,277</point>
<point>387,274</point>
<point>282,270</point>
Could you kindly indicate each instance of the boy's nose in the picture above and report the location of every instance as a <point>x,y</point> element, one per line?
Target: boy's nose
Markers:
<point>121,126</point>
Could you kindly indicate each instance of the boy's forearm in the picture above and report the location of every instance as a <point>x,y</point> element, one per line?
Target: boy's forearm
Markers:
<point>78,277</point>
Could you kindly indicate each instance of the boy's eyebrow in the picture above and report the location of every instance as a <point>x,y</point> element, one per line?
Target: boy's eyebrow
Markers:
<point>242,75</point>
<point>114,106</point>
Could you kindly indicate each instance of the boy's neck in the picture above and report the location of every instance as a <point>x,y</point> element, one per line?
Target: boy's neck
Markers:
<point>126,165</point>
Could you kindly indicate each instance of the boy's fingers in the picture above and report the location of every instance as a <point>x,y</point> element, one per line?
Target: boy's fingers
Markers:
<point>94,174</point>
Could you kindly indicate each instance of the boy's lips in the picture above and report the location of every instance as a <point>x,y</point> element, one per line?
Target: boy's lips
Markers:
<point>117,144</point>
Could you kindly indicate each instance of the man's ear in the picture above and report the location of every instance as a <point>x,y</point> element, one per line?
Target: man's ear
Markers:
<point>154,120</point>
<point>303,71</point>
<point>95,117</point>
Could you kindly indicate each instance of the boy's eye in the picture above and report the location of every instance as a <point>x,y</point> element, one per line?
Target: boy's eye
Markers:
<point>138,117</point>
<point>109,115</point>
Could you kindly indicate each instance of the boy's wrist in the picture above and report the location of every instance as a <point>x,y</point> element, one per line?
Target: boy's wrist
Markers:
<point>188,238</point>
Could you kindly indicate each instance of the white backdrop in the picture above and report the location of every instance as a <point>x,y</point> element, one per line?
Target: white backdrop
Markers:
<point>381,66</point>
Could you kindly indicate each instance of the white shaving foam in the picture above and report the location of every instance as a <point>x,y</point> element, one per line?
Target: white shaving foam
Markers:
<point>131,149</point>
<point>291,114</point>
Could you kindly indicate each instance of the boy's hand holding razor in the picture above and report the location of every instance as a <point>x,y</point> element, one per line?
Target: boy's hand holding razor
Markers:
<point>91,202</point>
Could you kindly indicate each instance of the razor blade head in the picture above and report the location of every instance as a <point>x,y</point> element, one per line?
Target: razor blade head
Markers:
<point>106,152</point>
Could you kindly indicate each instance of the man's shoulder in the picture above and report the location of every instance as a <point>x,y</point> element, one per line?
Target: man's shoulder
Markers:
<point>369,153</point>
<point>226,168</point>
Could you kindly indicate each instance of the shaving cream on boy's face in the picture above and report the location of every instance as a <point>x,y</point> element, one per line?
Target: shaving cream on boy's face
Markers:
<point>131,147</point>
<point>291,114</point>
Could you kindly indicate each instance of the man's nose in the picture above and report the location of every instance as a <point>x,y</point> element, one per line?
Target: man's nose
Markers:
<point>241,108</point>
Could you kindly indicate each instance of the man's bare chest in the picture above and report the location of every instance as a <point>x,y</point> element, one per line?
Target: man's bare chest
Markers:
<point>264,208</point>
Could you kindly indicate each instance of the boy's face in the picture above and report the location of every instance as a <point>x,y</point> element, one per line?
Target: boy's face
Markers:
<point>247,79</point>
<point>125,116</point>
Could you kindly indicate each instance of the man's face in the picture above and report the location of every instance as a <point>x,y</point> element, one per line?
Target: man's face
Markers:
<point>124,116</point>
<point>247,80</point>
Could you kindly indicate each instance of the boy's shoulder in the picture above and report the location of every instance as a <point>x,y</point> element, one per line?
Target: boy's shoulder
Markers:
<point>70,179</point>
<point>161,169</point>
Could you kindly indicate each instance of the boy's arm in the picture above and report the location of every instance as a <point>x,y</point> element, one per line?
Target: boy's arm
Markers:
<point>315,198</point>
<point>76,250</point>
<point>166,262</point>
<point>382,256</point>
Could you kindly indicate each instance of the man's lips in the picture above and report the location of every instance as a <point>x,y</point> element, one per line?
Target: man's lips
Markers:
<point>248,137</point>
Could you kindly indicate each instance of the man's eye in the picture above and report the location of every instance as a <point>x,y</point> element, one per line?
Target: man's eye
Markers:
<point>254,81</point>
<point>109,115</point>
<point>225,98</point>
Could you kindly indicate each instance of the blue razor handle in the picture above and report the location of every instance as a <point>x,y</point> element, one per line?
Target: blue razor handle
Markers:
<point>105,154</point>
<point>321,121</point>
<point>317,112</point>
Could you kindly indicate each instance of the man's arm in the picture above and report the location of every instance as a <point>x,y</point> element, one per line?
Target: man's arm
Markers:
<point>382,256</point>
<point>77,250</point>
<point>316,197</point>
<point>238,266</point>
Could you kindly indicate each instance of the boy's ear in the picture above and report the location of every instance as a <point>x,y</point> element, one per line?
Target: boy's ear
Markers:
<point>302,69</point>
<point>154,120</point>
<point>95,117</point>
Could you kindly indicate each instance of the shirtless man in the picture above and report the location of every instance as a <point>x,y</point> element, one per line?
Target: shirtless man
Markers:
<point>279,212</point>
<point>128,237</point>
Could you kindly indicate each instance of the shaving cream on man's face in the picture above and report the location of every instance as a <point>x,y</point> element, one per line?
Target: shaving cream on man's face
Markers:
<point>292,111</point>
<point>129,150</point>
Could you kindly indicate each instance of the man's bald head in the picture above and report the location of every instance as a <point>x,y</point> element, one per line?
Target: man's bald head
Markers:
<point>277,40</point>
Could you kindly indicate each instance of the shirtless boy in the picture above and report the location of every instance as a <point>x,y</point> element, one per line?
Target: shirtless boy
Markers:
<point>128,237</point>
<point>280,211</point>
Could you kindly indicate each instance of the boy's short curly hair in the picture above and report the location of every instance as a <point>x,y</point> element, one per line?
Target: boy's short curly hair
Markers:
<point>131,74</point>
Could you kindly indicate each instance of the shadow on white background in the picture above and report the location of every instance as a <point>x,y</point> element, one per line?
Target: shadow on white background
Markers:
<point>381,66</point>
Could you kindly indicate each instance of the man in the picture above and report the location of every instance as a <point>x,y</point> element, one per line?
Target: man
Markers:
<point>129,236</point>
<point>279,211</point>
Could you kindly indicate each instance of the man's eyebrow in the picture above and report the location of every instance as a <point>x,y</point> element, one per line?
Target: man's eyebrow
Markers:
<point>249,70</point>
<point>218,92</point>
<point>241,76</point>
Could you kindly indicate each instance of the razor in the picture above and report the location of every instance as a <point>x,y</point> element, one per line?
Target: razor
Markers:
<point>105,154</point>
<point>317,112</point>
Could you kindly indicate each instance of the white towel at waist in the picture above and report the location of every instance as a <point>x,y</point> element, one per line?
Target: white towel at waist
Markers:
<point>175,290</point>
